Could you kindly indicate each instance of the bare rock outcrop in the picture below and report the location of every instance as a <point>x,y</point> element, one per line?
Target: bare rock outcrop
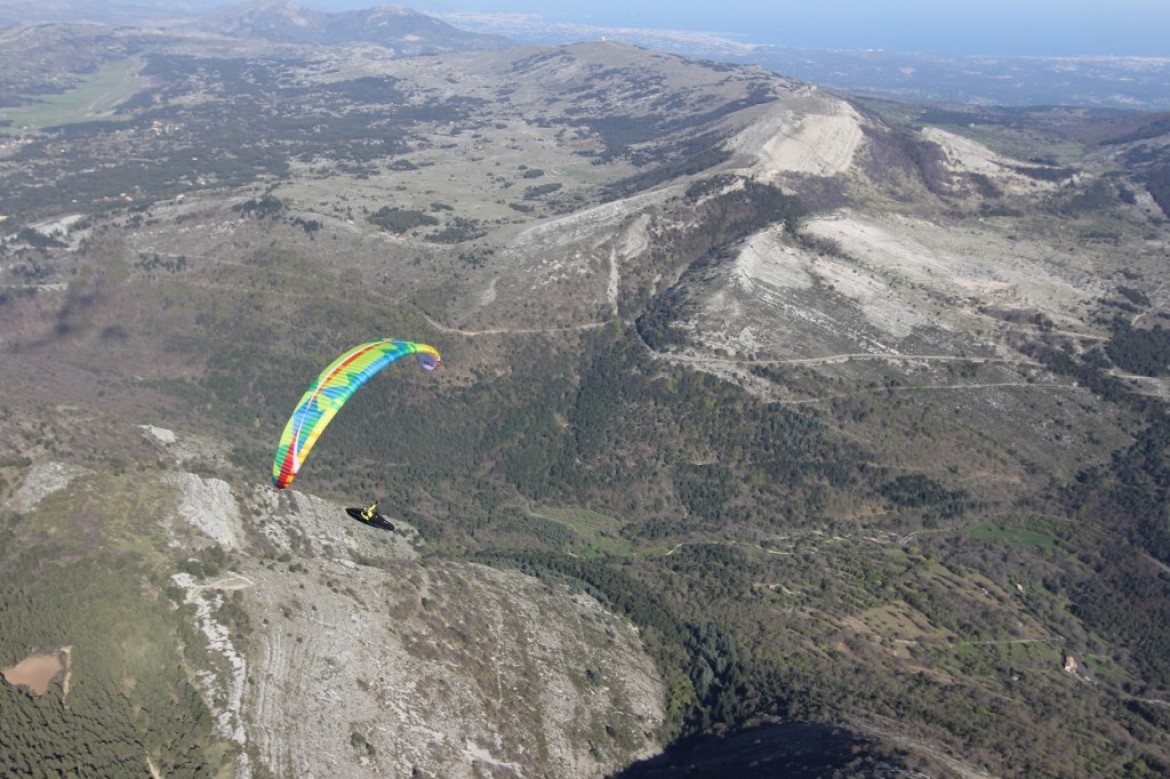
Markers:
<point>364,659</point>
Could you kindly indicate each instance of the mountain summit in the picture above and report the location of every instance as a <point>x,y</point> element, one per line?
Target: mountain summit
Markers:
<point>408,32</point>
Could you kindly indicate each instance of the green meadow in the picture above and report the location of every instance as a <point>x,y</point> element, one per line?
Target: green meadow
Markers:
<point>989,531</point>
<point>595,533</point>
<point>94,97</point>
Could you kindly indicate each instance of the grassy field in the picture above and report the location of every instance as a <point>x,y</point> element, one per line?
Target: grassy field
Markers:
<point>95,97</point>
<point>595,533</point>
<point>989,531</point>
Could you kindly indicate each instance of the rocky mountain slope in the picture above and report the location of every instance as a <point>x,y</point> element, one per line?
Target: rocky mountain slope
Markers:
<point>355,657</point>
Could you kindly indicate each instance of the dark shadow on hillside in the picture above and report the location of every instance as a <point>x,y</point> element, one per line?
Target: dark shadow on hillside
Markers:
<point>792,750</point>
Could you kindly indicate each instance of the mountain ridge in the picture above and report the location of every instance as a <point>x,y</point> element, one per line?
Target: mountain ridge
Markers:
<point>407,32</point>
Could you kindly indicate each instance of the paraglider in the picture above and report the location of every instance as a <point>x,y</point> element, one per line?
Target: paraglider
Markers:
<point>369,512</point>
<point>329,392</point>
<point>370,516</point>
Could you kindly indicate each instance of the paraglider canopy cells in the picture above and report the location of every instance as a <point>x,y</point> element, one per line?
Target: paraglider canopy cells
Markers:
<point>329,392</point>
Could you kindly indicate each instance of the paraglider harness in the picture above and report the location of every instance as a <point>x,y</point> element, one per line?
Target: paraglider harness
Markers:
<point>370,516</point>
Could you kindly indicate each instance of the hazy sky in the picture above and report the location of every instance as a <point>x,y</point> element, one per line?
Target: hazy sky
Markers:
<point>997,27</point>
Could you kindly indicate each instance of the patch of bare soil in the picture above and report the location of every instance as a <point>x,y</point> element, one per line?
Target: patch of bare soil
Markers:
<point>34,673</point>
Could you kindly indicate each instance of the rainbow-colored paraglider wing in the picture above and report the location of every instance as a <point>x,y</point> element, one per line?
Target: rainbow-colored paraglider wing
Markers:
<point>328,393</point>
